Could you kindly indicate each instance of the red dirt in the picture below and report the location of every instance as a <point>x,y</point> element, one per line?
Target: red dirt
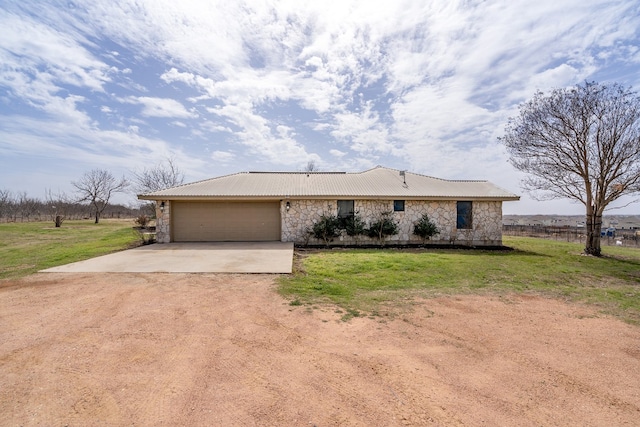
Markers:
<point>206,349</point>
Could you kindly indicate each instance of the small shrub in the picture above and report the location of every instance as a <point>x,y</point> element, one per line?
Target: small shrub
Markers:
<point>148,238</point>
<point>142,221</point>
<point>382,228</point>
<point>425,228</point>
<point>355,226</point>
<point>326,229</point>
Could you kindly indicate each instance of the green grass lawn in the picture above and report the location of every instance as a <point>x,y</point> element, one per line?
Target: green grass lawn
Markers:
<point>32,246</point>
<point>377,281</point>
<point>374,281</point>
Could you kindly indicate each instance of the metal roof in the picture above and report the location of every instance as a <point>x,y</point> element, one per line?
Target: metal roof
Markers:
<point>374,183</point>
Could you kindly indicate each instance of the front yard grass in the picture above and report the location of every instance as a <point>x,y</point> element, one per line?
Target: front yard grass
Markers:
<point>28,247</point>
<point>380,281</point>
<point>374,281</point>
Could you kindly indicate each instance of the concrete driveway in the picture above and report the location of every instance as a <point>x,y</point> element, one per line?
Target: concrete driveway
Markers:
<point>218,257</point>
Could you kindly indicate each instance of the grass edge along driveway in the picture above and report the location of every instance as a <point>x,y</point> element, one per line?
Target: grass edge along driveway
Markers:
<point>26,248</point>
<point>382,282</point>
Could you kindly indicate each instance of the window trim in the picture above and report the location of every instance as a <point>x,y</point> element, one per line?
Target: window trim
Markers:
<point>396,205</point>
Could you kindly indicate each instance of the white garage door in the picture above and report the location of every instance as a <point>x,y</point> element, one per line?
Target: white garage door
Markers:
<point>225,221</point>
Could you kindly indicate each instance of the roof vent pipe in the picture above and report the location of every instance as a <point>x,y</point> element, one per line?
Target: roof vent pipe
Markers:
<point>404,178</point>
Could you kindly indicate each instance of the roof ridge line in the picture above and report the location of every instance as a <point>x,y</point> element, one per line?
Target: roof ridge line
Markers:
<point>299,172</point>
<point>406,171</point>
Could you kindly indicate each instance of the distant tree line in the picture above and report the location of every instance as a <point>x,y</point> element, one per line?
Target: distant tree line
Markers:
<point>20,207</point>
<point>92,197</point>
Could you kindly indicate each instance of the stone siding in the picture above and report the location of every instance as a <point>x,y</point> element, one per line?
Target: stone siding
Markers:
<point>163,223</point>
<point>298,222</point>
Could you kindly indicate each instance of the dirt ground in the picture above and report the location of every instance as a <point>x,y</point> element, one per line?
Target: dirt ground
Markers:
<point>226,350</point>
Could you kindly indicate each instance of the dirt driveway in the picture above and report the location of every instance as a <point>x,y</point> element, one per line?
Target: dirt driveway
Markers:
<point>224,350</point>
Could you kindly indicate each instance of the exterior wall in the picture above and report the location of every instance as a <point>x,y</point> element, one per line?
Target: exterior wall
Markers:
<point>163,222</point>
<point>298,221</point>
<point>487,225</point>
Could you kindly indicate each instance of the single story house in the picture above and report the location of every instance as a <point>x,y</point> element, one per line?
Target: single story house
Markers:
<point>284,206</point>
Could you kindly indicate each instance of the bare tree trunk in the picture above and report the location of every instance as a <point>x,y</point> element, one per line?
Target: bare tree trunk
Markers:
<point>594,229</point>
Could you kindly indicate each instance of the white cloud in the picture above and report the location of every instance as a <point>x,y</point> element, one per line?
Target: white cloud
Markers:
<point>173,75</point>
<point>39,61</point>
<point>83,144</point>
<point>362,131</point>
<point>425,86</point>
<point>275,145</point>
<point>161,107</point>
<point>212,127</point>
<point>222,156</point>
<point>38,50</point>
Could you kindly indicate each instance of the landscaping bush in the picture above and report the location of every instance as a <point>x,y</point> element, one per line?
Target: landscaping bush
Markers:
<point>142,221</point>
<point>382,228</point>
<point>326,229</point>
<point>425,228</point>
<point>355,226</point>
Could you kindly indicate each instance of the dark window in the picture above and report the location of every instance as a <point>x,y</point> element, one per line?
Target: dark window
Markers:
<point>345,208</point>
<point>398,205</point>
<point>465,215</point>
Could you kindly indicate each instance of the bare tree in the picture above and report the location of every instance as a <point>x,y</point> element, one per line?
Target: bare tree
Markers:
<point>6,200</point>
<point>60,205</point>
<point>97,187</point>
<point>581,143</point>
<point>311,166</point>
<point>28,206</point>
<point>163,175</point>
<point>10,206</point>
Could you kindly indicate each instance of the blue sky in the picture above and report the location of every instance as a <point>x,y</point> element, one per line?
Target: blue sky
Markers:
<point>229,86</point>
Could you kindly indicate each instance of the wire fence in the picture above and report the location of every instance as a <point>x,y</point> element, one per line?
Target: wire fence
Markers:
<point>573,234</point>
<point>36,213</point>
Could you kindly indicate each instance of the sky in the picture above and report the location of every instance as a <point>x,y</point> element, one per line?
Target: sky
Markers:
<point>229,86</point>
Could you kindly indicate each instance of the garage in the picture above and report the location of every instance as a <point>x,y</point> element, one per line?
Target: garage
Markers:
<point>225,221</point>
